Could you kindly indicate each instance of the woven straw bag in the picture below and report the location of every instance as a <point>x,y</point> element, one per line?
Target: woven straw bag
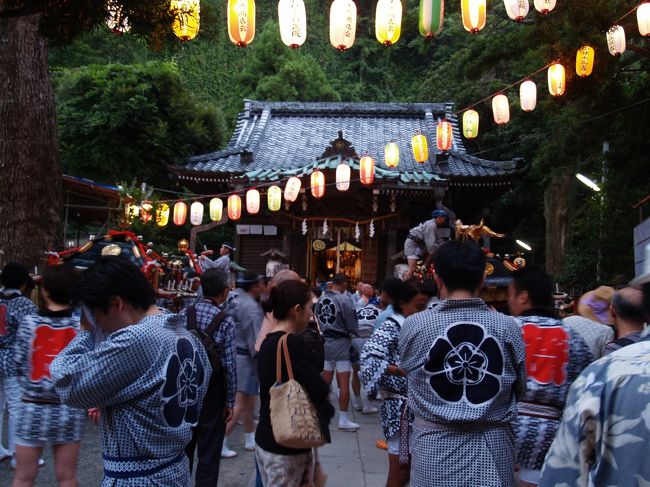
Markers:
<point>293,416</point>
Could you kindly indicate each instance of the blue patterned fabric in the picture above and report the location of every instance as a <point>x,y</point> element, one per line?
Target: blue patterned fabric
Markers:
<point>13,306</point>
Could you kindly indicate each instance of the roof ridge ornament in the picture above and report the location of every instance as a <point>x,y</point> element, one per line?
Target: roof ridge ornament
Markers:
<point>340,147</point>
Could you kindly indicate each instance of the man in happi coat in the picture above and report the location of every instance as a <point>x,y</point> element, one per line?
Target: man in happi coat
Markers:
<point>555,356</point>
<point>422,240</point>
<point>466,369</point>
<point>148,376</point>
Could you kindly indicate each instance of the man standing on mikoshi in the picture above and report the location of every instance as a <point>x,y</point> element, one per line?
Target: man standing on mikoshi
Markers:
<point>423,239</point>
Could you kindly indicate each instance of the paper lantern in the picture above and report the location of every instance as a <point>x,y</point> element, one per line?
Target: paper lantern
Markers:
<point>501,109</point>
<point>367,170</point>
<point>643,18</point>
<point>293,22</point>
<point>545,6</point>
<point>146,211</point>
<point>474,14</point>
<point>241,21</point>
<point>196,213</point>
<point>234,207</point>
<point>317,184</point>
<point>274,198</point>
<point>432,13</point>
<point>131,212</point>
<point>517,9</point>
<point>343,24</point>
<point>186,18</point>
<point>252,201</point>
<point>528,95</point>
<point>444,135</point>
<point>343,173</point>
<point>470,124</point>
<point>420,148</point>
<point>388,21</point>
<point>180,213</point>
<point>556,79</point>
<point>162,215</point>
<point>391,154</point>
<point>216,209</point>
<point>292,189</point>
<point>117,21</point>
<point>616,40</point>
<point>585,61</point>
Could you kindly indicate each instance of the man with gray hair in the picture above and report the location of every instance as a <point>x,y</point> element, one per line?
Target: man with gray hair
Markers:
<point>629,318</point>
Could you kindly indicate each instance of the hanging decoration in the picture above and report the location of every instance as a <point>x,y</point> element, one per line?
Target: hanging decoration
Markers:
<point>616,40</point>
<point>371,229</point>
<point>234,207</point>
<point>131,210</point>
<point>252,201</point>
<point>357,232</point>
<point>367,170</point>
<point>241,22</point>
<point>317,184</point>
<point>325,227</point>
<point>216,209</point>
<point>585,61</point>
<point>528,95</point>
<point>343,175</point>
<point>556,79</point>
<point>293,22</point>
<point>643,18</point>
<point>473,13</point>
<point>432,13</point>
<point>517,9</point>
<point>292,189</point>
<point>544,6</point>
<point>501,109</point>
<point>196,213</point>
<point>343,24</point>
<point>146,211</point>
<point>444,135</point>
<point>391,154</point>
<point>180,213</point>
<point>186,18</point>
<point>388,21</point>
<point>162,215</point>
<point>470,124</point>
<point>117,21</point>
<point>274,198</point>
<point>304,227</point>
<point>420,148</point>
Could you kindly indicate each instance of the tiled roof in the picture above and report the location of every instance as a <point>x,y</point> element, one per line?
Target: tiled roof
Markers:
<point>280,137</point>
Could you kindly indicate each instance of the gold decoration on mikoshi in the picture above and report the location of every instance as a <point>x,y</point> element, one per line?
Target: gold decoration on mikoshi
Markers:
<point>475,232</point>
<point>162,215</point>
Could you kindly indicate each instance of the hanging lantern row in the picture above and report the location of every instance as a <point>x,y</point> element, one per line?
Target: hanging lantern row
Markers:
<point>241,22</point>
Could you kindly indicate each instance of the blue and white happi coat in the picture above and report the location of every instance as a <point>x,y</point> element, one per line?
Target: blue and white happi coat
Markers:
<point>13,306</point>
<point>149,380</point>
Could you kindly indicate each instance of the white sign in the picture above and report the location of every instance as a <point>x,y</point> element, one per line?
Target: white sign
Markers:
<point>243,229</point>
<point>270,230</point>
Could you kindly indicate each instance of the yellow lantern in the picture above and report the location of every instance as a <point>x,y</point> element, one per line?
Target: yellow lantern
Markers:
<point>432,13</point>
<point>234,207</point>
<point>388,21</point>
<point>274,198</point>
<point>343,24</point>
<point>241,22</point>
<point>317,184</point>
<point>556,79</point>
<point>180,213</point>
<point>293,22</point>
<point>517,9</point>
<point>444,135</point>
<point>528,95</point>
<point>420,148</point>
<point>343,173</point>
<point>643,18</point>
<point>501,109</point>
<point>367,170</point>
<point>474,14</point>
<point>545,6</point>
<point>146,209</point>
<point>186,18</point>
<point>292,189</point>
<point>252,201</point>
<point>616,40</point>
<point>391,154</point>
<point>470,124</point>
<point>117,21</point>
<point>216,209</point>
<point>585,61</point>
<point>162,215</point>
<point>196,213</point>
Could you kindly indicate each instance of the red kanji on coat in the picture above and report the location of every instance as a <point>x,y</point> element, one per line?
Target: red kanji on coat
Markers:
<point>547,353</point>
<point>47,344</point>
<point>4,329</point>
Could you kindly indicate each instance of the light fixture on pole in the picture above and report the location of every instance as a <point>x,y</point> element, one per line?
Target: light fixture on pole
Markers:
<point>588,182</point>
<point>524,245</point>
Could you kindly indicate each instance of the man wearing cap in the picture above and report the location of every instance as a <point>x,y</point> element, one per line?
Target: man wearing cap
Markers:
<point>223,262</point>
<point>422,239</point>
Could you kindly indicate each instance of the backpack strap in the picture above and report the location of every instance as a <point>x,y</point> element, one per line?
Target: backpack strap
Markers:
<point>214,325</point>
<point>191,318</point>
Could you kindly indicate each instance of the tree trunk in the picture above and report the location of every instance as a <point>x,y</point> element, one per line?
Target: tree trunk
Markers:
<point>556,212</point>
<point>30,179</point>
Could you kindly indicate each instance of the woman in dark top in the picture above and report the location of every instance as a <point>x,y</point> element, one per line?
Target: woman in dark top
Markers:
<point>291,304</point>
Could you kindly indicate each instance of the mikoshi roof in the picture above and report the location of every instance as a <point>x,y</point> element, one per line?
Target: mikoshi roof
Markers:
<point>275,139</point>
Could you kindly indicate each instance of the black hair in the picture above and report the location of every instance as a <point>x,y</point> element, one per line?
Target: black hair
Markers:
<point>14,275</point>
<point>429,287</point>
<point>112,276</point>
<point>391,286</point>
<point>628,310</point>
<point>405,292</point>
<point>285,296</point>
<point>339,278</point>
<point>460,265</point>
<point>59,281</point>
<point>317,291</point>
<point>537,283</point>
<point>646,299</point>
<point>249,281</point>
<point>214,282</point>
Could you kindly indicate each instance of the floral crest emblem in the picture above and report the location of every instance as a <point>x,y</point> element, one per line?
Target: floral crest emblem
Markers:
<point>326,312</point>
<point>465,365</point>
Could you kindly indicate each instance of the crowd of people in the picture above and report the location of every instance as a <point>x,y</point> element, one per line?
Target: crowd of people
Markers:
<point>467,396</point>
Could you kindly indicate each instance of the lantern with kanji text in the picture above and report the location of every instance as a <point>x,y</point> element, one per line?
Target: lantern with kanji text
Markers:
<point>241,22</point>
<point>556,79</point>
<point>391,154</point>
<point>274,198</point>
<point>470,124</point>
<point>444,135</point>
<point>234,207</point>
<point>343,24</point>
<point>292,189</point>
<point>528,95</point>
<point>585,61</point>
<point>388,21</point>
<point>517,9</point>
<point>216,209</point>
<point>162,215</point>
<point>146,211</point>
<point>544,6</point>
<point>196,213</point>
<point>343,173</point>
<point>367,170</point>
<point>420,148</point>
<point>616,40</point>
<point>252,201</point>
<point>186,18</point>
<point>643,18</point>
<point>501,109</point>
<point>180,213</point>
<point>317,184</point>
<point>293,22</point>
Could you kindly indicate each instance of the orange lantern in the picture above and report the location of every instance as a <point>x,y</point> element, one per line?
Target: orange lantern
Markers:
<point>470,124</point>
<point>317,184</point>
<point>367,170</point>
<point>180,213</point>
<point>252,201</point>
<point>420,148</point>
<point>234,207</point>
<point>241,21</point>
<point>292,189</point>
<point>146,211</point>
<point>162,215</point>
<point>391,154</point>
<point>585,61</point>
<point>196,213</point>
<point>444,135</point>
<point>474,14</point>
<point>501,109</point>
<point>216,209</point>
<point>343,173</point>
<point>274,198</point>
<point>556,79</point>
<point>528,95</point>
